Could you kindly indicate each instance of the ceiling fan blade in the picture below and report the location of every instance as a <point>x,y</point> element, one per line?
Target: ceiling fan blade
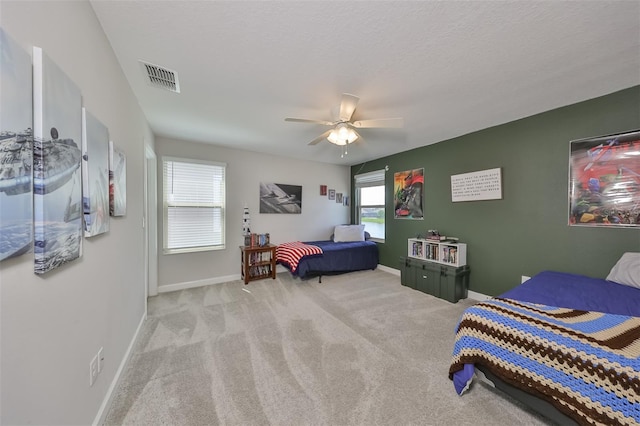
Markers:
<point>320,138</point>
<point>304,120</point>
<point>360,139</point>
<point>390,123</point>
<point>348,106</point>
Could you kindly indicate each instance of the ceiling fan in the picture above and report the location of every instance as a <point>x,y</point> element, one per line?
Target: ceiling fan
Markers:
<point>343,129</point>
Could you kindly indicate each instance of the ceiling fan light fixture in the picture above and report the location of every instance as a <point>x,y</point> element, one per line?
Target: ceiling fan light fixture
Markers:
<point>341,132</point>
<point>342,135</point>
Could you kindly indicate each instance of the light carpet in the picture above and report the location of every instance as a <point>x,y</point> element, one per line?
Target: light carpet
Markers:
<point>356,349</point>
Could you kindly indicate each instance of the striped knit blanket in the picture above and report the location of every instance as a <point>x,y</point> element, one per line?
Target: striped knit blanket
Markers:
<point>586,364</point>
<point>289,254</point>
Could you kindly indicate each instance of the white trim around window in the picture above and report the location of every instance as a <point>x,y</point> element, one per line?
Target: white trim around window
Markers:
<point>194,199</point>
<point>371,182</point>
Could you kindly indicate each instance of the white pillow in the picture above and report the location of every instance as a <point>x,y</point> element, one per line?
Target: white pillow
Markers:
<point>627,270</point>
<point>343,233</point>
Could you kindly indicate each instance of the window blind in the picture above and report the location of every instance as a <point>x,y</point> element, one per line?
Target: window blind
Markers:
<point>194,205</point>
<point>375,178</point>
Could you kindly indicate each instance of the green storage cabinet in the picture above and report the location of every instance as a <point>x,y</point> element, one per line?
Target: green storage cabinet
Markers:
<point>446,282</point>
<point>454,283</point>
<point>408,272</point>
<point>428,278</point>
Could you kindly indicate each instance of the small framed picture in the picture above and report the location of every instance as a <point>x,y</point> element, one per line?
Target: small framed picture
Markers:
<point>346,200</point>
<point>323,189</point>
<point>332,194</point>
<point>339,198</point>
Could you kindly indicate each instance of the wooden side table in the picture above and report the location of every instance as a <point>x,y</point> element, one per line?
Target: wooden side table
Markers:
<point>258,262</point>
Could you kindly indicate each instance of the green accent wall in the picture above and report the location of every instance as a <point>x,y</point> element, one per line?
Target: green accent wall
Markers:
<point>526,231</point>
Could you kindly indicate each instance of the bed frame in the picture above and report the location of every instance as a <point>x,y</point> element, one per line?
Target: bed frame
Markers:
<point>536,404</point>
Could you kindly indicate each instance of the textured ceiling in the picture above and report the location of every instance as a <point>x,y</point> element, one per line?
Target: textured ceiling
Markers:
<point>448,68</point>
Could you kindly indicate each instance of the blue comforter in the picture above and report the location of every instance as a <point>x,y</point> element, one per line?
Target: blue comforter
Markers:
<point>339,257</point>
<point>578,292</point>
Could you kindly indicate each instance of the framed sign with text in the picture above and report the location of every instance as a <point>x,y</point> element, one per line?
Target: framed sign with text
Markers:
<point>477,186</point>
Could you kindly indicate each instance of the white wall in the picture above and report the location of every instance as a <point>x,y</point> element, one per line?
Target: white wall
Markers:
<point>245,171</point>
<point>52,325</point>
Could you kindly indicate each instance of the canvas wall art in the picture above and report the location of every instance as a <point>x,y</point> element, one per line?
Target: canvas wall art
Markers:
<point>95,175</point>
<point>16,146</point>
<point>408,194</point>
<point>280,198</point>
<point>117,181</point>
<point>57,183</point>
<point>604,181</point>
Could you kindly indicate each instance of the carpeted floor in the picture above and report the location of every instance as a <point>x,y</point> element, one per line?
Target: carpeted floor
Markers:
<point>358,349</point>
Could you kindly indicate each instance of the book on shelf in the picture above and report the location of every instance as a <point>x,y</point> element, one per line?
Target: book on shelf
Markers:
<point>257,240</point>
<point>450,255</point>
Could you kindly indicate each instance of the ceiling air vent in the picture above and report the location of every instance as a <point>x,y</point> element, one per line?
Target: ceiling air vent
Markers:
<point>162,78</point>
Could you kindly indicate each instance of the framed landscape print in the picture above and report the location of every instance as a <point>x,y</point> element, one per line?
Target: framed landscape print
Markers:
<point>408,194</point>
<point>95,175</point>
<point>57,183</point>
<point>280,198</point>
<point>604,181</point>
<point>16,146</point>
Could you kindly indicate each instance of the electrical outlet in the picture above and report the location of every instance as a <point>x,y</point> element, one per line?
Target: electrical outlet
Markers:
<point>93,370</point>
<point>100,360</point>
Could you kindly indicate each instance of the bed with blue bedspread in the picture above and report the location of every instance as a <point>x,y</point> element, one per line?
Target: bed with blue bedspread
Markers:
<point>335,258</point>
<point>569,341</point>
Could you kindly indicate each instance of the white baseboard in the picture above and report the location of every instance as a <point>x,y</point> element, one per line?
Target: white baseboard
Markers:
<point>280,268</point>
<point>225,279</point>
<point>477,296</point>
<point>199,283</point>
<point>108,398</point>
<point>389,270</point>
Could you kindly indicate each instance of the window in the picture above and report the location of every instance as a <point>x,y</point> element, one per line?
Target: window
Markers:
<point>370,212</point>
<point>193,204</point>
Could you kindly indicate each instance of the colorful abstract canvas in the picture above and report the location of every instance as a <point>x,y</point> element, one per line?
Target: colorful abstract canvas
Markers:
<point>407,194</point>
<point>95,175</point>
<point>57,183</point>
<point>16,146</point>
<point>117,181</point>
<point>604,181</point>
